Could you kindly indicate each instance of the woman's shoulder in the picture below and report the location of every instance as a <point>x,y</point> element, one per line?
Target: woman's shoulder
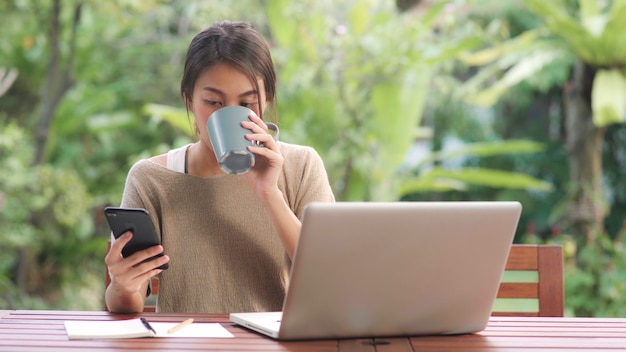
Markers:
<point>169,160</point>
<point>151,167</point>
<point>160,160</point>
<point>301,159</point>
<point>297,151</point>
<point>146,166</point>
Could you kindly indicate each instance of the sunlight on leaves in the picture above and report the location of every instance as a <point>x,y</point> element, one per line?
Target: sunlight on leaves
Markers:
<point>608,97</point>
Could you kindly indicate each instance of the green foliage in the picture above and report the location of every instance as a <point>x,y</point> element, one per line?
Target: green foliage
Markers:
<point>458,179</point>
<point>356,81</point>
<point>16,178</point>
<point>593,36</point>
<point>487,149</point>
<point>370,69</point>
<point>596,286</point>
<point>42,215</point>
<point>518,60</point>
<point>175,117</point>
<point>441,179</point>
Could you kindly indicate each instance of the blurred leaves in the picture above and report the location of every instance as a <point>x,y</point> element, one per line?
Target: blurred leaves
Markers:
<point>432,177</point>
<point>370,68</point>
<point>357,80</point>
<point>41,207</point>
<point>603,278</point>
<point>595,37</point>
<point>486,149</point>
<point>175,117</point>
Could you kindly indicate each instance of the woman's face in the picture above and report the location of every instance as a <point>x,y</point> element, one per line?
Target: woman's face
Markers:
<point>223,85</point>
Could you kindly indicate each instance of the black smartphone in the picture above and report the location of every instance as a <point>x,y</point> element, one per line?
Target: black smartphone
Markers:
<point>138,221</point>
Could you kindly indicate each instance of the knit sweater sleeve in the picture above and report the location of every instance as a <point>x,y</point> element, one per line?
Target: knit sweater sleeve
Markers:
<point>305,178</point>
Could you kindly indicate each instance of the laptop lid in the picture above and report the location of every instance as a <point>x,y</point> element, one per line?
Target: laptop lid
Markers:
<point>364,269</point>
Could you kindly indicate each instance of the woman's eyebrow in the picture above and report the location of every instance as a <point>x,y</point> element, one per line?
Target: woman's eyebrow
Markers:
<point>248,93</point>
<point>244,94</point>
<point>214,90</point>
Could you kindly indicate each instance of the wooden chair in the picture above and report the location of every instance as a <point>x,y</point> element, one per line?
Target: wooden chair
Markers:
<point>532,284</point>
<point>150,305</point>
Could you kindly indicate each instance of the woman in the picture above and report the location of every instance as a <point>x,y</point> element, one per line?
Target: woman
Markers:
<point>228,239</point>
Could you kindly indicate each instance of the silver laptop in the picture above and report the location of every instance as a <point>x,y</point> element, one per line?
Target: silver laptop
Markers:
<point>374,269</point>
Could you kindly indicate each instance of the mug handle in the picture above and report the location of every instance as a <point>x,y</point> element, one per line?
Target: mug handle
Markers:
<point>273,127</point>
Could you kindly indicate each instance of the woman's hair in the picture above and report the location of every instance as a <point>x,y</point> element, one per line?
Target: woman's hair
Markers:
<point>234,43</point>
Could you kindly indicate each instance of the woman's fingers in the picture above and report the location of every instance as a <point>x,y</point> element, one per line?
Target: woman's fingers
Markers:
<point>260,134</point>
<point>115,251</point>
<point>128,274</point>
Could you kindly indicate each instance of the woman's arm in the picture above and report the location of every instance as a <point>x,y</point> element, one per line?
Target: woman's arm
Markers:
<point>287,223</point>
<point>263,178</point>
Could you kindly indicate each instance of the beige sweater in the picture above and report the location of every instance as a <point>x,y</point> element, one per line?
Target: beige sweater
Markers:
<point>225,254</point>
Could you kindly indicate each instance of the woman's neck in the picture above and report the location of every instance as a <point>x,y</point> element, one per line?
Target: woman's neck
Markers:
<point>201,161</point>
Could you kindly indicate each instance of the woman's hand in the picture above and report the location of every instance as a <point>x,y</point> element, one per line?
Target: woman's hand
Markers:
<point>129,276</point>
<point>263,177</point>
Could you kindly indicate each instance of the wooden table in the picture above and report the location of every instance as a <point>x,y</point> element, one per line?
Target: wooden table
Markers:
<point>32,331</point>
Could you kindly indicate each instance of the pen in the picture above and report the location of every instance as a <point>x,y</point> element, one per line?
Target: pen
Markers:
<point>180,326</point>
<point>147,325</point>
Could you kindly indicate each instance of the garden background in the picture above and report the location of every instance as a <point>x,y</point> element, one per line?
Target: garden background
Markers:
<point>408,100</point>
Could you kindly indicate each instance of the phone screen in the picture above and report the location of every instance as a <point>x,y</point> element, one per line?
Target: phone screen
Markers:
<point>138,221</point>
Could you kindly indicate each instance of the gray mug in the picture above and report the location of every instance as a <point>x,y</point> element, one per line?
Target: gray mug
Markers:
<point>229,141</point>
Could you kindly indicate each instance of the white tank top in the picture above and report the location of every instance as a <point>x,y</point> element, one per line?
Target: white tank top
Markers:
<point>176,158</point>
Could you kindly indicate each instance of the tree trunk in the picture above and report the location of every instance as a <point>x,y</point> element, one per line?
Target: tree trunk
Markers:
<point>58,82</point>
<point>586,212</point>
<point>58,78</point>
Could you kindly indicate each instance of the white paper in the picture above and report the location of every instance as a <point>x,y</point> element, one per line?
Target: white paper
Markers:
<point>133,328</point>
<point>112,329</point>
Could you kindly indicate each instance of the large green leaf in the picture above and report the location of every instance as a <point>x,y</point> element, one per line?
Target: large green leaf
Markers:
<point>487,149</point>
<point>520,61</point>
<point>596,37</point>
<point>493,53</point>
<point>591,17</point>
<point>613,41</point>
<point>442,179</point>
<point>563,25</point>
<point>460,179</point>
<point>608,97</point>
<point>431,184</point>
<point>397,112</point>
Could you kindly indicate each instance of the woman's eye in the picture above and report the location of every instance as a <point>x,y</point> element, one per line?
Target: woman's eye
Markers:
<point>212,102</point>
<point>249,105</point>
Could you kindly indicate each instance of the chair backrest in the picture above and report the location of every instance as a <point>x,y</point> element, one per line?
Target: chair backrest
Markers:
<point>150,305</point>
<point>532,284</point>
